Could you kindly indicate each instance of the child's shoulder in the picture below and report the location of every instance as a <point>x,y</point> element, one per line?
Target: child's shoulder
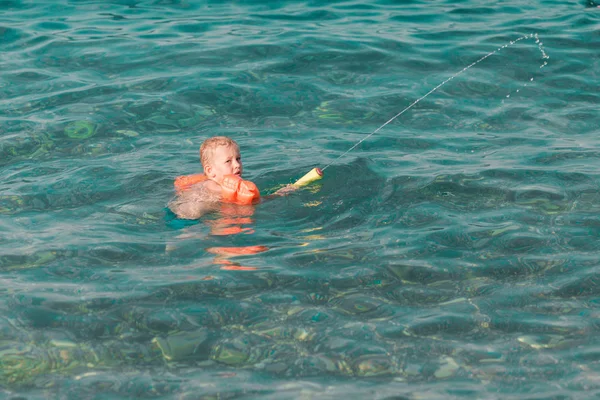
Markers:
<point>206,190</point>
<point>186,183</point>
<point>194,196</point>
<point>211,186</point>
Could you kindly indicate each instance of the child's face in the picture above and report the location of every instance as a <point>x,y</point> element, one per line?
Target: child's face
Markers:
<point>226,160</point>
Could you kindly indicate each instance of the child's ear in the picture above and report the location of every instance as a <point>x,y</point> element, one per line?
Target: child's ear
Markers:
<point>208,171</point>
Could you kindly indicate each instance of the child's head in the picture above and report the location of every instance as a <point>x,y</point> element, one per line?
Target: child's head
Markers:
<point>220,156</point>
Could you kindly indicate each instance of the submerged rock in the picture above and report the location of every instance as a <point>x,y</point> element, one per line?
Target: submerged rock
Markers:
<point>11,204</point>
<point>31,146</point>
<point>232,352</point>
<point>317,364</point>
<point>281,332</point>
<point>183,345</point>
<point>22,363</point>
<point>80,130</point>
<point>374,365</point>
<point>127,132</point>
<point>35,260</point>
<point>449,367</point>
<point>360,305</point>
<point>544,341</point>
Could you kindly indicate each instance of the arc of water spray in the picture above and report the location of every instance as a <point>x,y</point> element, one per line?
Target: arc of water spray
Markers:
<point>544,56</point>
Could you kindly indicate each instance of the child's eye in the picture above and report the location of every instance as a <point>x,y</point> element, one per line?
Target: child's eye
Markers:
<point>239,159</point>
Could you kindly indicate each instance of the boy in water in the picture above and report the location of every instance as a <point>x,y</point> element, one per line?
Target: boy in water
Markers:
<point>220,158</point>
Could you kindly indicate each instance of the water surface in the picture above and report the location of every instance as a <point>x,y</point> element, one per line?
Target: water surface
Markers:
<point>452,254</point>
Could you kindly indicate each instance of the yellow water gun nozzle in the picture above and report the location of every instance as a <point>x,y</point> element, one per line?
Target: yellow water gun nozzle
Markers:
<point>313,175</point>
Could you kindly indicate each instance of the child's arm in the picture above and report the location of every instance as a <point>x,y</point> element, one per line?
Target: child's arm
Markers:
<point>287,189</point>
<point>312,175</point>
<point>284,191</point>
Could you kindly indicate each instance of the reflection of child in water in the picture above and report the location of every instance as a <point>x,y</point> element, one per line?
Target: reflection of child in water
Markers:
<point>220,157</point>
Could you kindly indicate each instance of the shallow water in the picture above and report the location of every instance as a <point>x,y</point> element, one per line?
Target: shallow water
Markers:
<point>454,253</point>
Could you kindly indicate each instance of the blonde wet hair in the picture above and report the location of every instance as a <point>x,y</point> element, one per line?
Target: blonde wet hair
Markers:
<point>209,146</point>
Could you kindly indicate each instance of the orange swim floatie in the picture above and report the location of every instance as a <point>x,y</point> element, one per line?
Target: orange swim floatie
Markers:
<point>233,188</point>
<point>238,191</point>
<point>186,181</point>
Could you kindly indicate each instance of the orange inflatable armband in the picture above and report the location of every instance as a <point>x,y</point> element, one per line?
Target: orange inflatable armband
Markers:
<point>238,191</point>
<point>186,181</point>
<point>233,189</point>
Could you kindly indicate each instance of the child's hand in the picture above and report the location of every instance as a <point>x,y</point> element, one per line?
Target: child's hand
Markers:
<point>287,189</point>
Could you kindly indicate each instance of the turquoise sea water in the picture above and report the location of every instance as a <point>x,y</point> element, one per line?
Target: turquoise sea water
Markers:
<point>453,254</point>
